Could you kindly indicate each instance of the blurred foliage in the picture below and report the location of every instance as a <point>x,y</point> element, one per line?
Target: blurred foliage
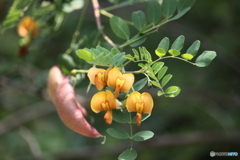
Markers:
<point>203,118</point>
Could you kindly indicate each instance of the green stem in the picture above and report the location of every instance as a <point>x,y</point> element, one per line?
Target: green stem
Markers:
<point>131,130</point>
<point>173,57</point>
<point>110,15</point>
<point>137,39</point>
<point>123,4</point>
<point>77,32</point>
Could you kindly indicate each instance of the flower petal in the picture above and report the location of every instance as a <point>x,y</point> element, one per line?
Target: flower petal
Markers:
<point>97,100</point>
<point>108,117</point>
<point>148,101</point>
<point>113,74</point>
<point>111,100</point>
<point>28,27</point>
<point>129,80</point>
<point>131,101</point>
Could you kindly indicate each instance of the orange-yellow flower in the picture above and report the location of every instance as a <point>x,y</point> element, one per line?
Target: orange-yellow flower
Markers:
<point>104,101</point>
<point>28,27</point>
<point>119,82</point>
<point>140,103</point>
<point>97,76</point>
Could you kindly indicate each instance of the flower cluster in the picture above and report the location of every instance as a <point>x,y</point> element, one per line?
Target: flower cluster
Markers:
<point>107,100</point>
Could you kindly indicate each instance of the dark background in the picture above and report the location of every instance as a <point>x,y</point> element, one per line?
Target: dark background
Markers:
<point>204,117</point>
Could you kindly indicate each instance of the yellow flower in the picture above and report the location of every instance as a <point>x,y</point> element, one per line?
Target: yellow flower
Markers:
<point>28,27</point>
<point>140,103</point>
<point>119,82</point>
<point>97,77</point>
<point>104,101</point>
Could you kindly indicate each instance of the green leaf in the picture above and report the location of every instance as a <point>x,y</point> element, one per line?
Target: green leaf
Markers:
<point>118,133</point>
<point>136,54</point>
<point>129,154</point>
<point>143,135</point>
<point>169,7</point>
<point>183,4</point>
<point>73,5</point>
<point>160,52</point>
<point>159,93</point>
<point>156,84</point>
<point>85,55</point>
<point>139,19</point>
<point>174,52</point>
<point>180,14</point>
<point>172,91</point>
<point>66,63</point>
<point>154,12</point>
<point>187,56</point>
<point>193,49</point>
<point>140,84</point>
<point>138,40</point>
<point>146,54</point>
<point>166,79</point>
<point>129,57</point>
<point>119,27</point>
<point>119,116</point>
<point>205,58</point>
<point>157,66</point>
<point>178,43</point>
<point>162,72</point>
<point>164,43</point>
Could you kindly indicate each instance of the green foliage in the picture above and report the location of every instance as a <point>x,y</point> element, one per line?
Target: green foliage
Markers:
<point>139,19</point>
<point>154,12</point>
<point>14,13</point>
<point>129,154</point>
<point>143,135</point>
<point>169,7</point>
<point>119,27</point>
<point>102,56</point>
<point>118,133</point>
<point>205,58</point>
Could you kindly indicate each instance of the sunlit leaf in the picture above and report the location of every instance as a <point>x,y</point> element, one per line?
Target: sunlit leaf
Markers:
<point>162,72</point>
<point>160,52</point>
<point>174,52</point>
<point>156,84</point>
<point>136,54</point>
<point>164,43</point>
<point>205,58</point>
<point>159,93</point>
<point>85,55</point>
<point>187,56</point>
<point>119,27</point>
<point>118,133</point>
<point>172,91</point>
<point>139,19</point>
<point>73,5</point>
<point>157,66</point>
<point>143,135</point>
<point>129,57</point>
<point>154,12</point>
<point>166,79</point>
<point>129,154</point>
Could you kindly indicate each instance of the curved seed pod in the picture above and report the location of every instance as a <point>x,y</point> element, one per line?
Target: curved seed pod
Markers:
<point>55,77</point>
<point>69,110</point>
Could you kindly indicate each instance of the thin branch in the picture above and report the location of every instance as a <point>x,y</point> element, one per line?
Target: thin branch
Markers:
<point>25,115</point>
<point>96,8</point>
